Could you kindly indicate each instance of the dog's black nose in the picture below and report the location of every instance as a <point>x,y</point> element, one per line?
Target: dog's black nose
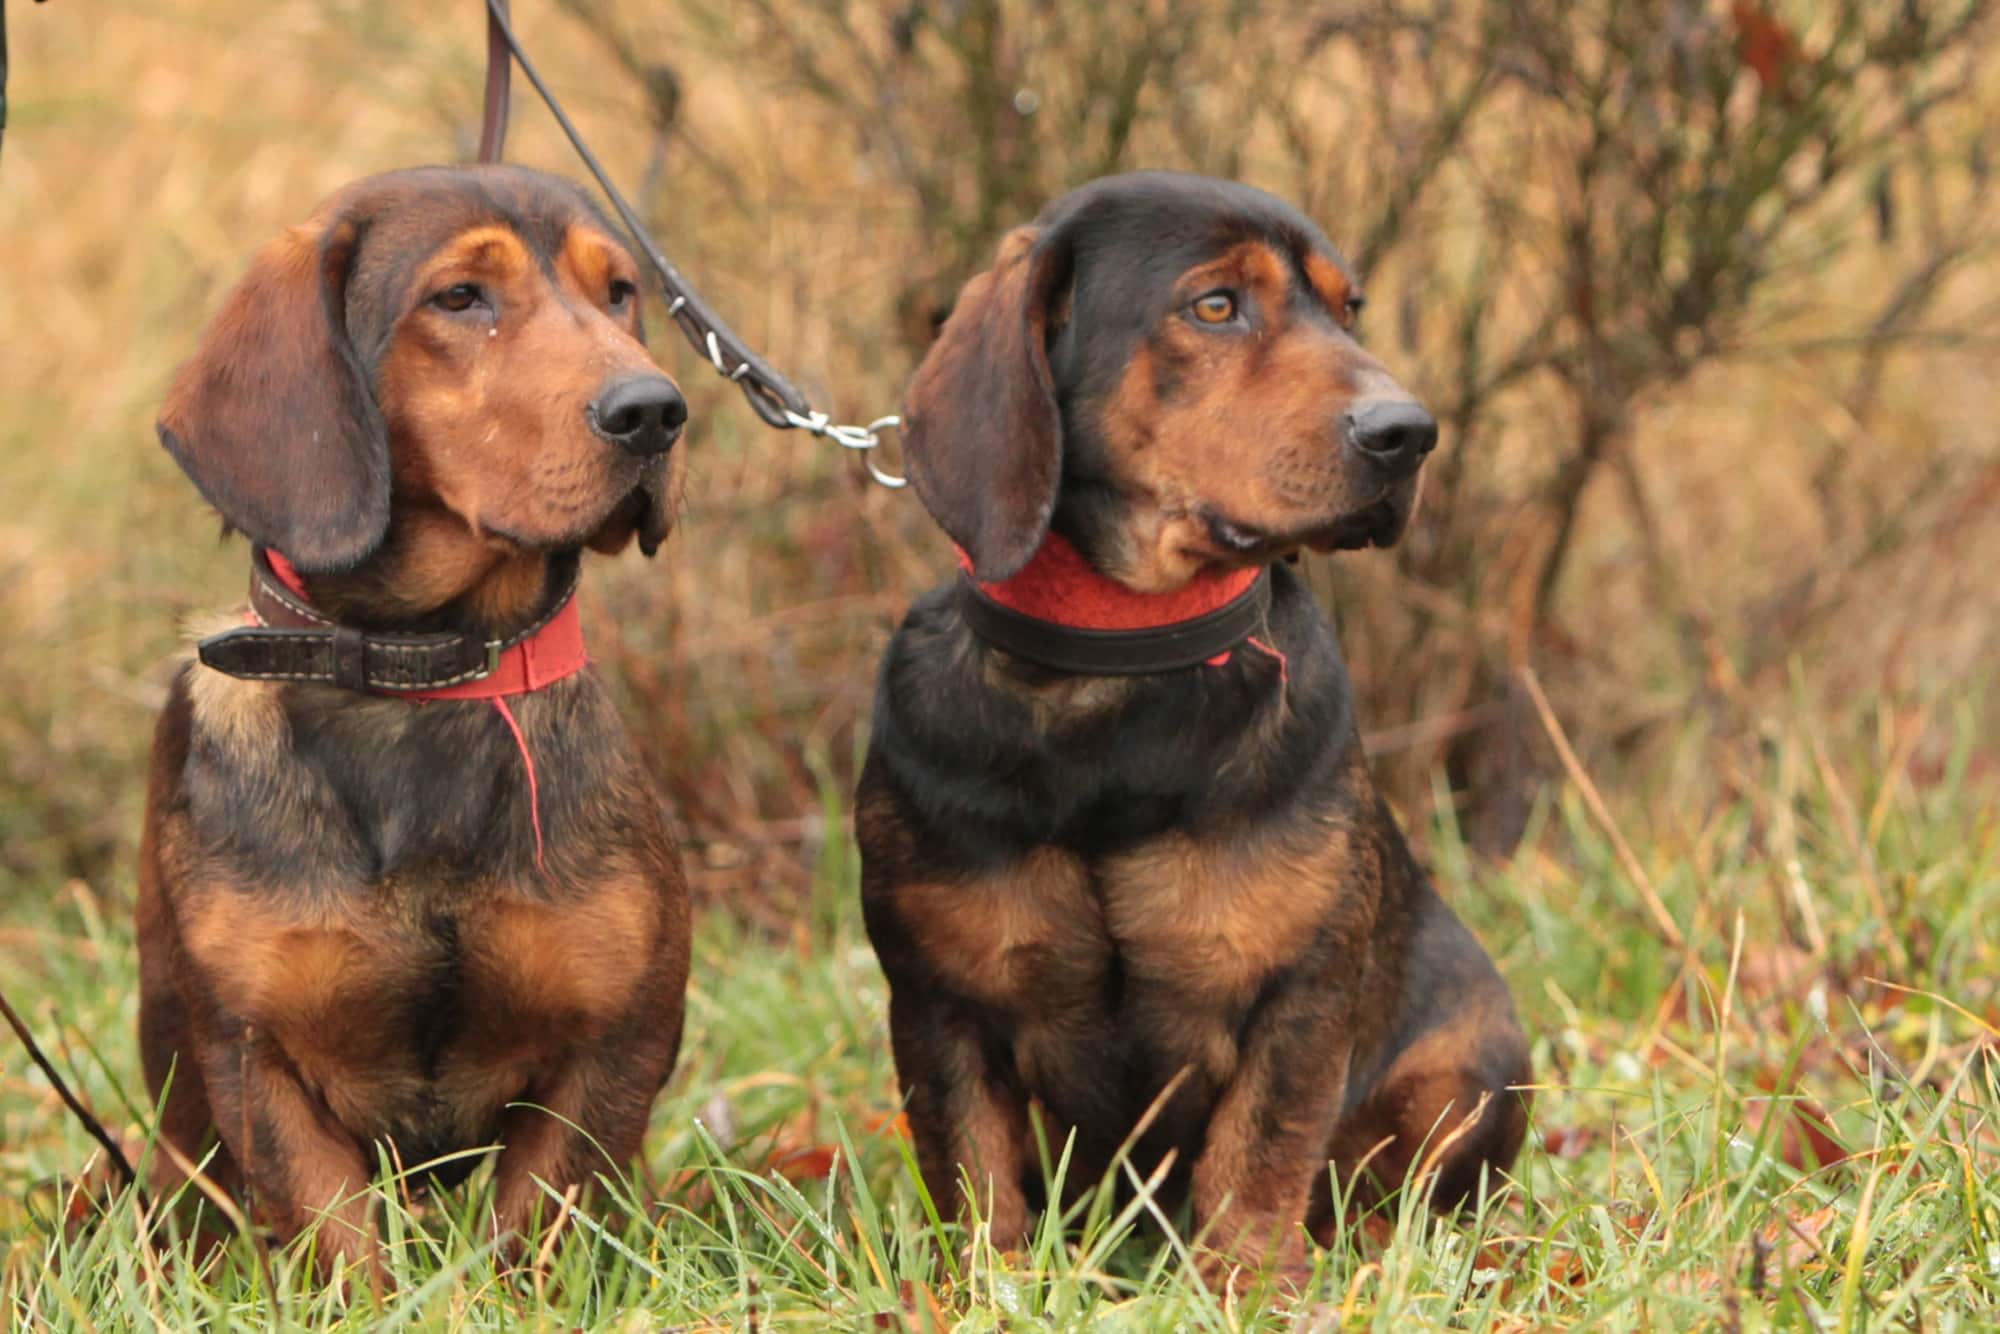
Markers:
<point>640,413</point>
<point>1395,433</point>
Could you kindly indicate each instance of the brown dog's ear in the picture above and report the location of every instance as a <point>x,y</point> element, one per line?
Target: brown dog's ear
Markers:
<point>273,418</point>
<point>982,435</point>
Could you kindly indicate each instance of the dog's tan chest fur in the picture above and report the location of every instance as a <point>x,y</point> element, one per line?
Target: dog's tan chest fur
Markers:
<point>1190,931</point>
<point>1215,920</point>
<point>997,938</point>
<point>339,982</point>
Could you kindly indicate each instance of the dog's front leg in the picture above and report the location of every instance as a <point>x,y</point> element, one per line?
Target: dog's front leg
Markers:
<point>963,1117</point>
<point>1266,1141</point>
<point>587,1115</point>
<point>300,1163</point>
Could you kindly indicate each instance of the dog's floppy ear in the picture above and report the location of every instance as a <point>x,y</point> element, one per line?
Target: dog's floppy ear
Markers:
<point>982,435</point>
<point>274,419</point>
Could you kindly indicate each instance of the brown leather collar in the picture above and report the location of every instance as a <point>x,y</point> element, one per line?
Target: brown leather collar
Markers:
<point>293,642</point>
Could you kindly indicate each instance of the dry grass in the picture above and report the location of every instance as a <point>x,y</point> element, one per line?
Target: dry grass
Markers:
<point>1789,1124</point>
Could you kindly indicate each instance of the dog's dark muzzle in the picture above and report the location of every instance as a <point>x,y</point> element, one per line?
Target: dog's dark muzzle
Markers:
<point>641,414</point>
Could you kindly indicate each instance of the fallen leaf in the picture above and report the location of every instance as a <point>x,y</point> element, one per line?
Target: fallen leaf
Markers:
<point>1793,1243</point>
<point>1569,1142</point>
<point>796,1151</point>
<point>1566,1266</point>
<point>1805,1133</point>
<point>814,1162</point>
<point>896,1124</point>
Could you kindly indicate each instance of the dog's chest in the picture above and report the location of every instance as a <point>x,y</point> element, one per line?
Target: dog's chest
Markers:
<point>400,992</point>
<point>1165,945</point>
<point>1216,918</point>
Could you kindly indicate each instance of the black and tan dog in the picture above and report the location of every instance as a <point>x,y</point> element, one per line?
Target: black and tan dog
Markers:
<point>403,882</point>
<point>1116,824</point>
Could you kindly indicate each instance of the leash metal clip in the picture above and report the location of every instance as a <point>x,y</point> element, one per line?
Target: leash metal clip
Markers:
<point>864,440</point>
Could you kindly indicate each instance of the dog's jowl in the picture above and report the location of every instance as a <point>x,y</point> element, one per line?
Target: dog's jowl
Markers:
<point>1122,857</point>
<point>404,886</point>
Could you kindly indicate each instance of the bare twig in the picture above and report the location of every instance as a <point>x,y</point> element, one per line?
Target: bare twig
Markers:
<point>1594,800</point>
<point>75,1104</point>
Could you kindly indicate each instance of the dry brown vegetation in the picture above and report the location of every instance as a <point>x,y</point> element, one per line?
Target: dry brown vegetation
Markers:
<point>1706,294</point>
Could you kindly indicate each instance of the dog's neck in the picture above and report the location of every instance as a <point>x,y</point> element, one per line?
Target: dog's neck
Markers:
<point>1059,586</point>
<point>1061,612</point>
<point>431,574</point>
<point>291,639</point>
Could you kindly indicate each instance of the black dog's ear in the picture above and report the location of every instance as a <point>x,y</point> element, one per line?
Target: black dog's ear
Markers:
<point>273,418</point>
<point>982,435</point>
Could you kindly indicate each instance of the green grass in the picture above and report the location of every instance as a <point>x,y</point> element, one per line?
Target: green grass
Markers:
<point>1843,911</point>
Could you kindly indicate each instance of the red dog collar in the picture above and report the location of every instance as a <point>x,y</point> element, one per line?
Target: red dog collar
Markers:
<point>288,639</point>
<point>1061,613</point>
<point>549,652</point>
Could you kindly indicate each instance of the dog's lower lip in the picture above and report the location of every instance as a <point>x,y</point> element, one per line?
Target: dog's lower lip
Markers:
<point>1353,531</point>
<point>630,503</point>
<point>1234,537</point>
<point>509,542</point>
<point>1371,525</point>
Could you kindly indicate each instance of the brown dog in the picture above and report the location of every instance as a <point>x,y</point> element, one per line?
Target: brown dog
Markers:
<point>1121,853</point>
<point>403,883</point>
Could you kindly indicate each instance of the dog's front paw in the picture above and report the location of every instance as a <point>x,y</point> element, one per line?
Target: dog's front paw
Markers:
<point>1279,1270</point>
<point>991,1247</point>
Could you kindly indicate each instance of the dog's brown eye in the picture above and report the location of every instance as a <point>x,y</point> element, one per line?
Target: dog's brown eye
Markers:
<point>622,293</point>
<point>1353,308</point>
<point>462,296</point>
<point>1215,308</point>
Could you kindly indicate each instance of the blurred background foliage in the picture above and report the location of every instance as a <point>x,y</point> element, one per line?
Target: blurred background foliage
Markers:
<point>1706,295</point>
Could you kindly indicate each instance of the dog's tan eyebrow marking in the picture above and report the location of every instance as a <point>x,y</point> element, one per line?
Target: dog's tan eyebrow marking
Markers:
<point>1253,265</point>
<point>588,262</point>
<point>1334,287</point>
<point>486,250</point>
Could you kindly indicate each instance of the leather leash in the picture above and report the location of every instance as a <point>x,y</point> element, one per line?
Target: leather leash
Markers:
<point>3,72</point>
<point>773,397</point>
<point>499,81</point>
<point>3,68</point>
